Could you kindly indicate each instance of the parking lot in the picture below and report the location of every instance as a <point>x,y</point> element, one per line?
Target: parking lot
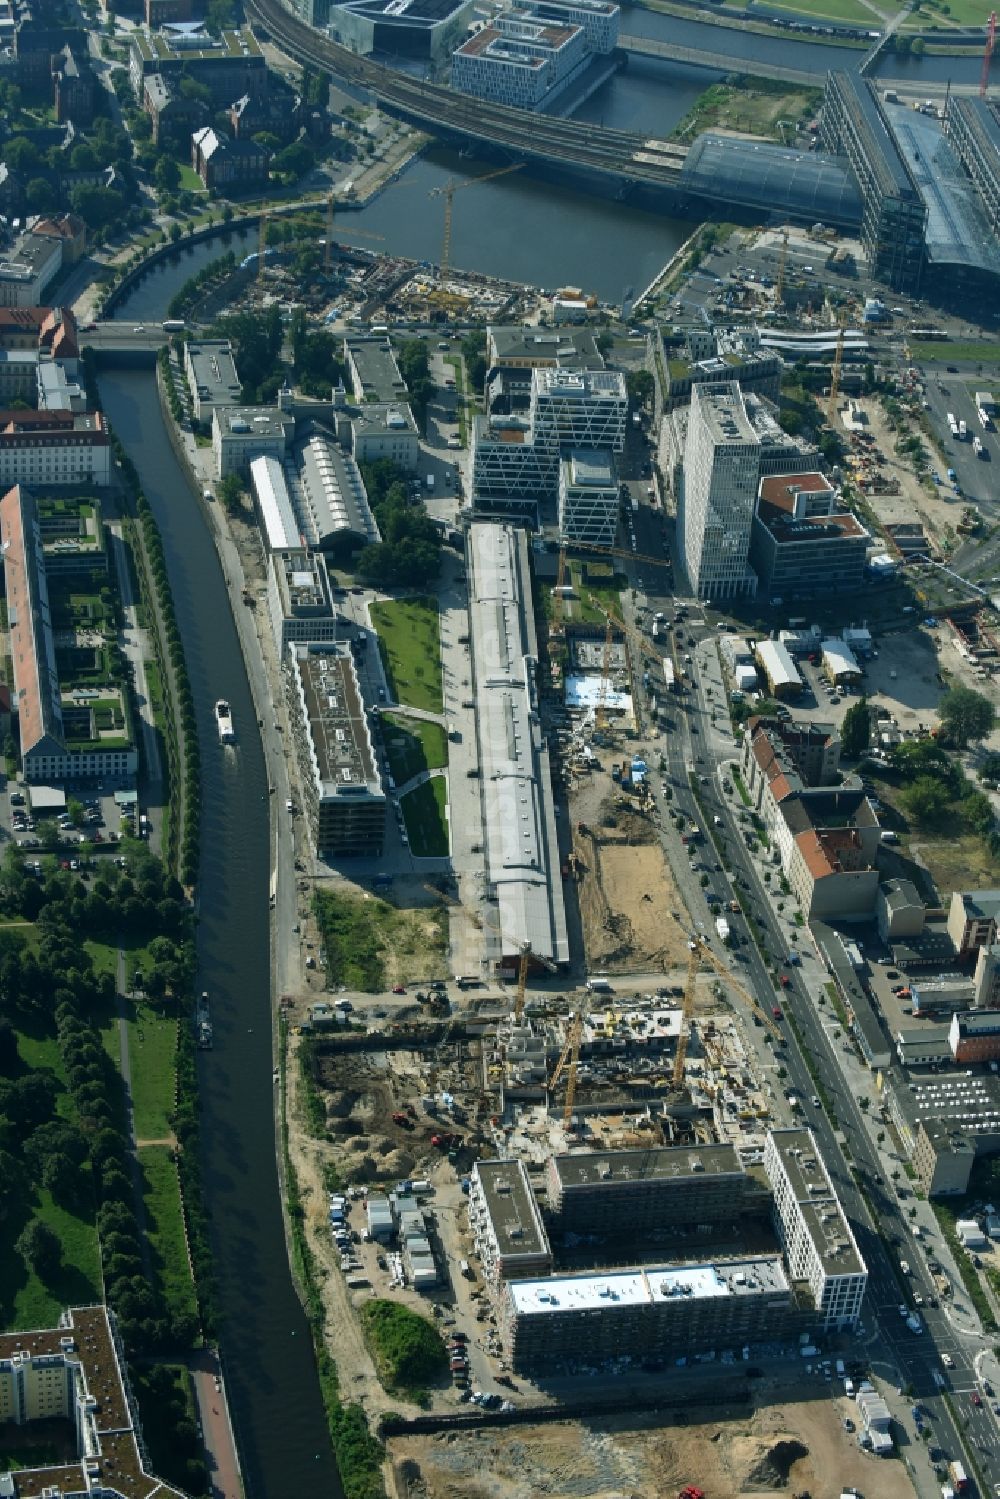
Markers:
<point>89,817</point>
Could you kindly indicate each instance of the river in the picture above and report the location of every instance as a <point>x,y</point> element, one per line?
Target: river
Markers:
<point>271,1379</point>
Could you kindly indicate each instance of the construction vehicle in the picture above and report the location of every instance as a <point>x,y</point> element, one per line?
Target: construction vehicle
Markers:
<point>568,1061</point>
<point>690,1491</point>
<point>448,191</point>
<point>403,1120</point>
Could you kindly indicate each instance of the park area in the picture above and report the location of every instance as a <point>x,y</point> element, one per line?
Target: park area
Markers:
<point>409,640</point>
<point>413,745</point>
<point>759,108</point>
<point>425,812</point>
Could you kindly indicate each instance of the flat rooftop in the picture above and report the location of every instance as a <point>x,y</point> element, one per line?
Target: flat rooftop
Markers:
<point>761,1275</point>
<point>721,410</point>
<point>213,370</point>
<point>254,421</point>
<point>818,1202</point>
<point>618,1166</point>
<point>382,419</point>
<point>513,1210</point>
<point>958,231</point>
<point>187,42</point>
<point>523,348</point>
<point>591,468</point>
<point>374,366</point>
<point>341,743</point>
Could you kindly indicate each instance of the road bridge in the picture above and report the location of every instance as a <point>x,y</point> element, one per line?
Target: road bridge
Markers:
<point>722,62</point>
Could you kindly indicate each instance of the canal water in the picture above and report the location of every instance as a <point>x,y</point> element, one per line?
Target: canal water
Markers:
<point>271,1378</point>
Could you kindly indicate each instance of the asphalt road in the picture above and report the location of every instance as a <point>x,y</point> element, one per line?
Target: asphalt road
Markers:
<point>698,742</point>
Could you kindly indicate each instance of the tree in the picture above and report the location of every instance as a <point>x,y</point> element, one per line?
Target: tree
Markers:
<point>640,386</point>
<point>855,731</point>
<point>22,155</point>
<point>166,175</point>
<point>977,811</point>
<point>989,767</point>
<point>927,801</point>
<point>965,716</point>
<point>40,1248</point>
<point>230,492</point>
<point>41,195</point>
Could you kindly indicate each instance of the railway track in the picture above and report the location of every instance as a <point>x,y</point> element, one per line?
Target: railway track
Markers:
<point>439,110</point>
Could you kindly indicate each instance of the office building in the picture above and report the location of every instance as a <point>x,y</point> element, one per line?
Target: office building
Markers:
<point>987,977</point>
<point>506,1223</point>
<point>975,1037</point>
<point>948,1122</point>
<point>242,433</point>
<point>599,19</point>
<point>28,268</point>
<point>706,356</point>
<point>803,541</point>
<point>520,60</point>
<point>211,376</point>
<point>894,215</point>
<point>299,599</point>
<point>388,432</point>
<point>54,448</point>
<point>588,497</point>
<point>521,848</point>
<point>75,1373</point>
<point>973,128</point>
<point>649,1195</point>
<point>372,369</point>
<point>345,806</point>
<point>18,376</point>
<point>72,535</point>
<point>229,65</point>
<point>944,1155</point>
<point>512,352</point>
<point>416,29</point>
<point>59,739</point>
<point>510,476</point>
<point>813,1229</point>
<point>972,919</point>
<point>942,994</point>
<point>721,470</point>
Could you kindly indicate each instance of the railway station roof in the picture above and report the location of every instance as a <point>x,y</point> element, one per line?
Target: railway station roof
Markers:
<point>773,179</point>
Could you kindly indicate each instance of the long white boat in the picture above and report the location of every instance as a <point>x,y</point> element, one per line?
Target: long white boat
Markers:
<point>224,719</point>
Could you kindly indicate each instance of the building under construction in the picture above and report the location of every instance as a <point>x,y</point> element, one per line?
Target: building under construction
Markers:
<point>755,1254</point>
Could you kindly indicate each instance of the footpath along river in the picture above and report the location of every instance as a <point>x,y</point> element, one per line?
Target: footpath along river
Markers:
<point>267,1352</point>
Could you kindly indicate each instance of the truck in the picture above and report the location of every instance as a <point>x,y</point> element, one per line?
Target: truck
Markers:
<point>722,927</point>
<point>963,431</point>
<point>958,1476</point>
<point>977,447</point>
<point>173,325</point>
<point>430,483</point>
<point>952,424</point>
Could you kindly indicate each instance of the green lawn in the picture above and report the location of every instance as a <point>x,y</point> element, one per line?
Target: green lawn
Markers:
<point>591,591</point>
<point>162,1200</point>
<point>832,10</point>
<point>425,813</point>
<point>945,14</point>
<point>940,352</point>
<point>190,181</point>
<point>410,643</point>
<point>363,937</point>
<point>412,745</point>
<point>26,1301</point>
<point>152,1047</point>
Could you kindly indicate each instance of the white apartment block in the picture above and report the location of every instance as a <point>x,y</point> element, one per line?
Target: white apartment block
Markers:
<point>518,60</point>
<point>721,473</point>
<point>588,497</point>
<point>815,1235</point>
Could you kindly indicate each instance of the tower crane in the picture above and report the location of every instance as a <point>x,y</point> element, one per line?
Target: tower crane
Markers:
<point>448,191</point>
<point>700,951</point>
<point>569,1057</point>
<point>779,285</point>
<point>600,712</point>
<point>687,1009</point>
<point>991,36</point>
<point>522,980</point>
<point>593,546</point>
<point>328,247</point>
<point>261,243</point>
<point>838,360</point>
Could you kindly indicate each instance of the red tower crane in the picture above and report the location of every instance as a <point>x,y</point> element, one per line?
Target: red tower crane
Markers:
<point>991,36</point>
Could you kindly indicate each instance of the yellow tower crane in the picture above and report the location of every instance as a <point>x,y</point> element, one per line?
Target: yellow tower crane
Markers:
<point>522,981</point>
<point>569,1057</point>
<point>262,243</point>
<point>687,1010</point>
<point>448,191</point>
<point>600,712</point>
<point>838,360</point>
<point>727,977</point>
<point>779,285</point>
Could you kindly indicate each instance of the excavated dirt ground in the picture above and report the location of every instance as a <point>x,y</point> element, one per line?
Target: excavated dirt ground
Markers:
<point>601,1459</point>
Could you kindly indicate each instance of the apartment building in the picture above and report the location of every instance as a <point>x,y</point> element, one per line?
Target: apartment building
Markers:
<point>972,919</point>
<point>54,448</point>
<point>519,60</point>
<point>818,1242</point>
<point>975,1037</point>
<point>506,1223</point>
